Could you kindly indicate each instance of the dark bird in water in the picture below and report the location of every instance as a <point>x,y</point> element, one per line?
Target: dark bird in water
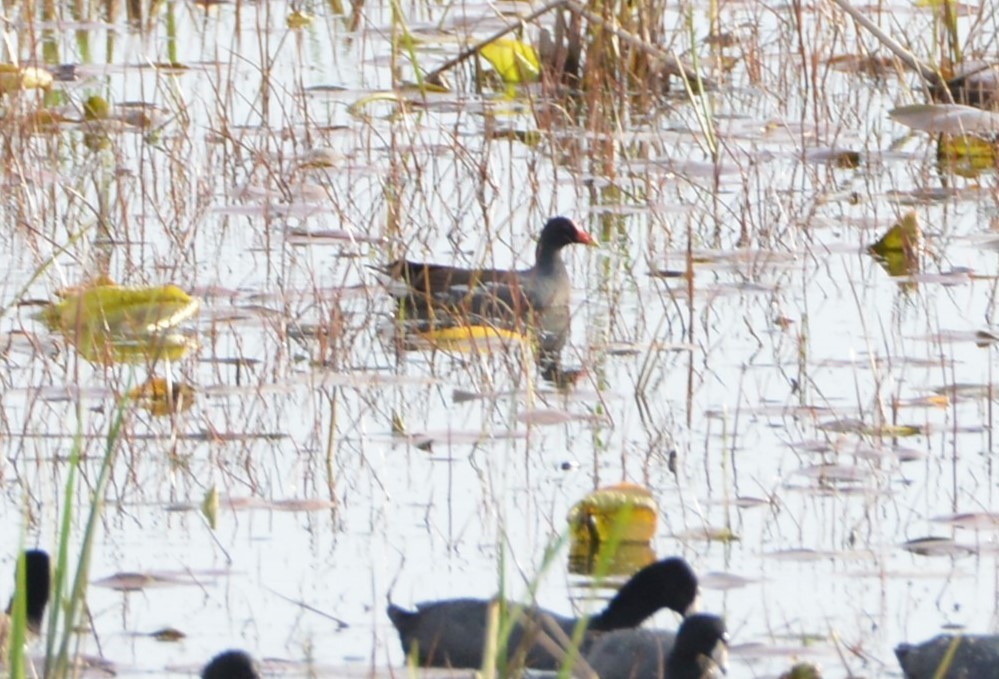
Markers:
<point>231,665</point>
<point>37,582</point>
<point>452,632</point>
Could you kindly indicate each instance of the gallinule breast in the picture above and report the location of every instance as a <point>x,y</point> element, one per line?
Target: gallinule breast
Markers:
<point>37,579</point>
<point>694,652</point>
<point>974,656</point>
<point>231,665</point>
<point>452,632</point>
<point>493,294</point>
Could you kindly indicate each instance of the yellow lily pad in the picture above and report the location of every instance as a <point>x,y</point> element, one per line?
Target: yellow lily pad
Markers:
<point>903,236</point>
<point>108,323</point>
<point>116,310</point>
<point>627,512</point>
<point>14,78</point>
<point>163,397</point>
<point>966,155</point>
<point>515,61</point>
<point>298,20</point>
<point>900,246</point>
<point>468,338</point>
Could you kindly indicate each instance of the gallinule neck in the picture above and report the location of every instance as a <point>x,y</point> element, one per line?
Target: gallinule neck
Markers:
<point>452,632</point>
<point>231,665</point>
<point>37,579</point>
<point>700,645</point>
<point>493,293</point>
<point>974,655</point>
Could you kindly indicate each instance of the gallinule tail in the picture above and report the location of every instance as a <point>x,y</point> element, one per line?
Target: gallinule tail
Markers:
<point>974,655</point>
<point>37,579</point>
<point>693,652</point>
<point>493,294</point>
<point>452,632</point>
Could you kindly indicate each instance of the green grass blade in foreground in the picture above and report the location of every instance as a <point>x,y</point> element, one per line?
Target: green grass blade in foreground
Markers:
<point>18,630</point>
<point>58,662</point>
<point>604,562</point>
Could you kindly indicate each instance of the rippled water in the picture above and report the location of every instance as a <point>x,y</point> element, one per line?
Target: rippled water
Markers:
<point>771,382</point>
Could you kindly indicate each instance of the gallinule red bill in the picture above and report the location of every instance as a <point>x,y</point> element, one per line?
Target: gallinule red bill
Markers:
<point>695,651</point>
<point>493,294</point>
<point>974,655</point>
<point>37,579</point>
<point>452,632</point>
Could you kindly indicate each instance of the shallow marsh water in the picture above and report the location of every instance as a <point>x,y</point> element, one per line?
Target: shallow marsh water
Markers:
<point>792,336</point>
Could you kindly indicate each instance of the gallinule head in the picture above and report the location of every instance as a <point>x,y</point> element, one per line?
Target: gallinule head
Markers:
<point>231,665</point>
<point>492,294</point>
<point>694,652</point>
<point>37,580</point>
<point>974,655</point>
<point>452,632</point>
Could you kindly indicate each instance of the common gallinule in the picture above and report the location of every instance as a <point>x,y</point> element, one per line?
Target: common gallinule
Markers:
<point>452,632</point>
<point>493,294</point>
<point>37,580</point>
<point>974,656</point>
<point>693,652</point>
<point>231,665</point>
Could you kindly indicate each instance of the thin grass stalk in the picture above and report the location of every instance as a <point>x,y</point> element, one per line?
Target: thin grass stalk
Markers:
<point>59,666</point>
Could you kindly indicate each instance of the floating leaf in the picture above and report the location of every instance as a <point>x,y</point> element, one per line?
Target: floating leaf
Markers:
<point>298,20</point>
<point>970,520</point>
<point>904,236</point>
<point>108,323</point>
<point>210,506</point>
<point>163,397</point>
<point>515,61</point>
<point>802,670</point>
<point>122,311</point>
<point>14,78</point>
<point>167,634</point>
<point>966,155</point>
<point>588,558</point>
<point>947,118</point>
<point>627,512</point>
<point>465,338</point>
<point>936,546</point>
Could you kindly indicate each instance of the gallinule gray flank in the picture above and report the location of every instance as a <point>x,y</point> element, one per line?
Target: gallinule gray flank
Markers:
<point>452,632</point>
<point>493,294</point>
<point>975,656</point>
<point>693,652</point>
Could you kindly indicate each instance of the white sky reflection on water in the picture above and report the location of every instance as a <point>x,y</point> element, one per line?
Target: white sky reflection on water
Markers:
<point>428,525</point>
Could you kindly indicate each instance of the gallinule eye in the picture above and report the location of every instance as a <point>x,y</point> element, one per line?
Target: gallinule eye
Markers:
<point>694,652</point>
<point>974,655</point>
<point>452,632</point>
<point>493,293</point>
<point>38,579</point>
<point>231,665</point>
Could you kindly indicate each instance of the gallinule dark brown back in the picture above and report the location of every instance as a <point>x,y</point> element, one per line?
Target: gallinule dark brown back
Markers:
<point>493,294</point>
<point>452,632</point>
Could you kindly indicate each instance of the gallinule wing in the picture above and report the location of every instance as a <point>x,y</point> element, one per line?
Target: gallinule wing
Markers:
<point>493,295</point>
<point>693,652</point>
<point>452,632</point>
